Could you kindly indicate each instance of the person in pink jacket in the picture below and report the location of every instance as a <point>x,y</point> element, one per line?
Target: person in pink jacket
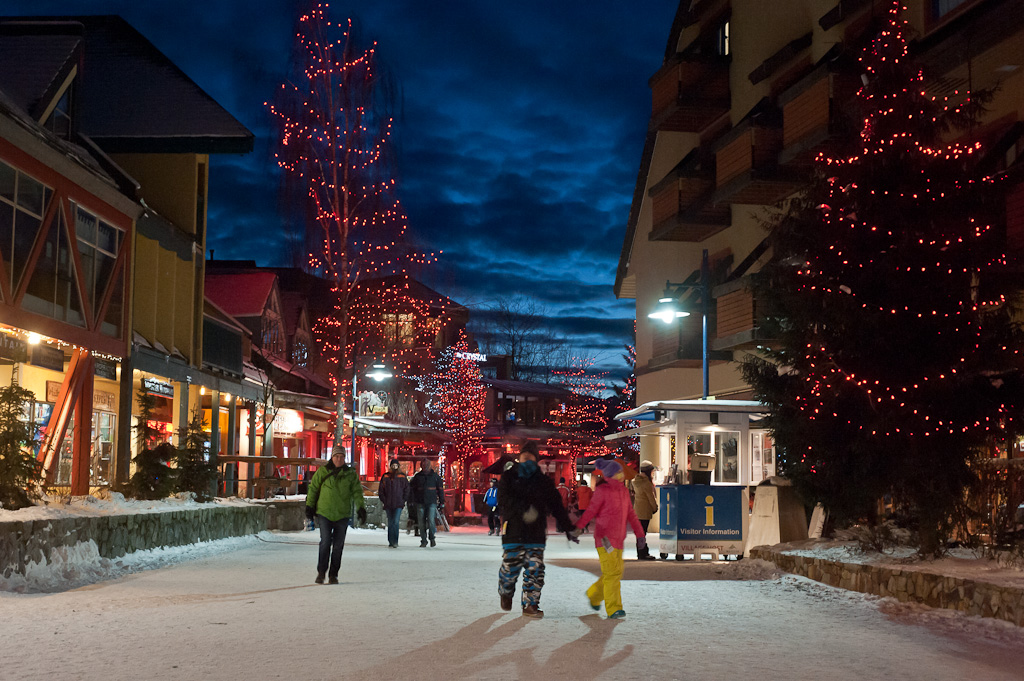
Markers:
<point>611,510</point>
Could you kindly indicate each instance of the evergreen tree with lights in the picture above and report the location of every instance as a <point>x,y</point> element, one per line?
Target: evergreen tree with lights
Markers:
<point>895,363</point>
<point>581,417</point>
<point>626,394</point>
<point>456,400</point>
<point>152,478</point>
<point>193,472</point>
<point>335,130</point>
<point>20,472</point>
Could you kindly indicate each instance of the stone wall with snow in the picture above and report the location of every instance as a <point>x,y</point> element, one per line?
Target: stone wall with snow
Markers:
<point>970,596</point>
<point>24,542</point>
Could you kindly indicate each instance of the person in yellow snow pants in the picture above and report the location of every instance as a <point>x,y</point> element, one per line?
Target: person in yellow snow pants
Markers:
<point>612,512</point>
<point>608,587</point>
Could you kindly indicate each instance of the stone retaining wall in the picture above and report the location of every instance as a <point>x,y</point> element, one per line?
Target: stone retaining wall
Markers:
<point>937,591</point>
<point>22,542</point>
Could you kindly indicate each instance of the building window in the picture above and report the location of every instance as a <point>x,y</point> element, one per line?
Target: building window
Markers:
<point>59,121</point>
<point>300,351</point>
<point>941,8</point>
<point>722,40</point>
<point>272,336</point>
<point>23,201</point>
<point>398,330</point>
<point>98,245</point>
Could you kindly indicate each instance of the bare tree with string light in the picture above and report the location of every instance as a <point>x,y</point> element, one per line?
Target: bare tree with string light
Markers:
<point>335,125</point>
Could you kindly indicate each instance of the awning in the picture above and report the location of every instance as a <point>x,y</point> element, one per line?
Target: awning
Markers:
<point>650,428</point>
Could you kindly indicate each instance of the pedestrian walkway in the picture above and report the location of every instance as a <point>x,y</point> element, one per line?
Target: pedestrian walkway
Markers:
<point>252,612</point>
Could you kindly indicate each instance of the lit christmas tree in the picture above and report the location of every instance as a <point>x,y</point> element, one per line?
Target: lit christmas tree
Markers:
<point>335,133</point>
<point>895,360</point>
<point>627,398</point>
<point>456,400</point>
<point>580,418</point>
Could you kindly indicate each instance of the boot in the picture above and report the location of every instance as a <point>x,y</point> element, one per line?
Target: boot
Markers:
<point>533,611</point>
<point>506,601</point>
<point>319,578</point>
<point>644,554</point>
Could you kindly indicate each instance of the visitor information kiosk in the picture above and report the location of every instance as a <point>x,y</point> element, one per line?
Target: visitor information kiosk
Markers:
<point>710,454</point>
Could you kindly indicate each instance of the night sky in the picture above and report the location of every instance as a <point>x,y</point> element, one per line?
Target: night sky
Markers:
<point>519,132</point>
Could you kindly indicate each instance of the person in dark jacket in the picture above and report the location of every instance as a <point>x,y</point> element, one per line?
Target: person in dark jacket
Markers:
<point>428,492</point>
<point>394,493</point>
<point>526,498</point>
<point>333,492</point>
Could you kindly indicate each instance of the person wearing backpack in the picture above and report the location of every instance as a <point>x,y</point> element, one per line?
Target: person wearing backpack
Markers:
<point>491,502</point>
<point>333,491</point>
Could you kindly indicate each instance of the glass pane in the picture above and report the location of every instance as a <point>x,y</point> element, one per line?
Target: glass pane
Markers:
<point>727,456</point>
<point>85,226</point>
<point>87,254</point>
<point>6,235</point>
<point>7,175</point>
<point>107,238</point>
<point>698,443</point>
<point>111,325</point>
<point>30,194</point>
<point>41,290</point>
<point>68,301</point>
<point>26,229</point>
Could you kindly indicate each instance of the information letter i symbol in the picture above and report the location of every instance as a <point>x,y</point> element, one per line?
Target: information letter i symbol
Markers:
<point>709,511</point>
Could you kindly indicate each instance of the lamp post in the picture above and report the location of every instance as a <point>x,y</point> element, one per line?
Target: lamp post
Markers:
<point>668,310</point>
<point>378,372</point>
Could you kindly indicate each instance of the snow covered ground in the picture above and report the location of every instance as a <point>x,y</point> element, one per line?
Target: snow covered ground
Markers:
<point>247,609</point>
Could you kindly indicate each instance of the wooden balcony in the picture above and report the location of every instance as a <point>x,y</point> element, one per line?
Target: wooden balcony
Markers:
<point>810,120</point>
<point>739,318</point>
<point>747,169</point>
<point>689,94</point>
<point>681,344</point>
<point>681,209</point>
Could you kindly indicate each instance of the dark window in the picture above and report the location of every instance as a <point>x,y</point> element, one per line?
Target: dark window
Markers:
<point>941,8</point>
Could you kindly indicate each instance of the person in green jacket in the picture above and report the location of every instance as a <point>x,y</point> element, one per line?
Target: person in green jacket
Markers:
<point>333,492</point>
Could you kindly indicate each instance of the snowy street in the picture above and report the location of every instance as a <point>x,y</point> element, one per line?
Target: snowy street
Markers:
<point>248,609</point>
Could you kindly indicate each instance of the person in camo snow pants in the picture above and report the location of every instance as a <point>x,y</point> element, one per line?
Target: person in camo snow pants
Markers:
<point>612,510</point>
<point>526,497</point>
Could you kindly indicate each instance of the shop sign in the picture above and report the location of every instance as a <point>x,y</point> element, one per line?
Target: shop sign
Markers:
<point>106,369</point>
<point>155,387</point>
<point>13,348</point>
<point>288,422</point>
<point>48,357</point>
<point>472,356</point>
<point>101,400</point>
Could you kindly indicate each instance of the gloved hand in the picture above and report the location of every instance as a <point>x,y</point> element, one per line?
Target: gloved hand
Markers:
<point>573,537</point>
<point>361,514</point>
<point>310,525</point>
<point>310,512</point>
<point>641,543</point>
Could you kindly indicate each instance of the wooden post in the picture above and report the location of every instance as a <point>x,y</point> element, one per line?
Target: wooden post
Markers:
<point>82,445</point>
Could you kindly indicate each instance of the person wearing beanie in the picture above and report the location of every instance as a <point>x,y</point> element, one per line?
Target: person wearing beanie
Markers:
<point>526,497</point>
<point>333,492</point>
<point>645,502</point>
<point>394,494</point>
<point>612,512</point>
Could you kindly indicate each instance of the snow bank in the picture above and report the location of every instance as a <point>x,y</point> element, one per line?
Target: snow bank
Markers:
<point>70,567</point>
<point>52,508</point>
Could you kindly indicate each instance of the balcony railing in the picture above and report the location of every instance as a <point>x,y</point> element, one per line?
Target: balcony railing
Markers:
<point>689,94</point>
<point>739,322</point>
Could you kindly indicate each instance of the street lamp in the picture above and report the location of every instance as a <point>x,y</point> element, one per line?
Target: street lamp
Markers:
<point>378,372</point>
<point>668,309</point>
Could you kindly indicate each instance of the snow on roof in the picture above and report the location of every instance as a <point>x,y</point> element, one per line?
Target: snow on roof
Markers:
<point>240,295</point>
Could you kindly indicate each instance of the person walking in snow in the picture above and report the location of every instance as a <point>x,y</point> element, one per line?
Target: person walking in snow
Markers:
<point>526,498</point>
<point>394,493</point>
<point>333,492</point>
<point>645,503</point>
<point>611,511</point>
<point>563,491</point>
<point>428,491</point>
<point>491,502</point>
<point>583,496</point>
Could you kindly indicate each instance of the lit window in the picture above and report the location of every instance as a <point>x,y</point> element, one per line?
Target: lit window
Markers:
<point>723,39</point>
